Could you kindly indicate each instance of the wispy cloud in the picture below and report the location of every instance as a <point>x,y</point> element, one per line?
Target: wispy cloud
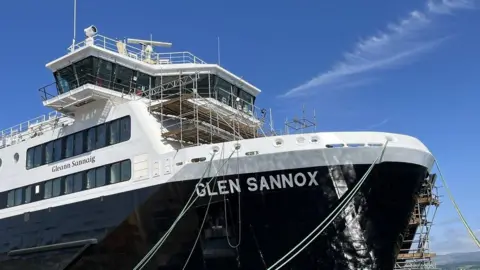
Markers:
<point>390,48</point>
<point>376,125</point>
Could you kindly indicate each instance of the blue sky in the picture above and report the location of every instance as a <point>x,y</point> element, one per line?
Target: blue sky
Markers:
<point>398,66</point>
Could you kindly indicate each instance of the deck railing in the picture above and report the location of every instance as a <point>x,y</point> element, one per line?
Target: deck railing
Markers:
<point>136,52</point>
<point>21,131</point>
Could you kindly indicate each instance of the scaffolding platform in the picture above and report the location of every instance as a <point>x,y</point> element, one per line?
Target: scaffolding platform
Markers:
<point>414,246</point>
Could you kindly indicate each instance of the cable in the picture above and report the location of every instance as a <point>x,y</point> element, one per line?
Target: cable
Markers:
<point>189,204</point>
<point>200,230</point>
<point>239,213</point>
<point>469,230</point>
<point>338,210</point>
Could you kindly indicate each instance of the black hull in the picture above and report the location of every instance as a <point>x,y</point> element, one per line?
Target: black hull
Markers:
<point>273,221</point>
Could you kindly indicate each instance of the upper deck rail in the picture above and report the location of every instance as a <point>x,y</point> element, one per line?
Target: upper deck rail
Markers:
<point>137,53</point>
<point>22,131</point>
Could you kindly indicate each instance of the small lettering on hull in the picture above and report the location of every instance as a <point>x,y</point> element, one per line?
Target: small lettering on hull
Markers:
<point>264,183</point>
<point>73,163</point>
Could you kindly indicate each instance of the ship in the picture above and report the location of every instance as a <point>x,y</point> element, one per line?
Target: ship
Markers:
<point>160,160</point>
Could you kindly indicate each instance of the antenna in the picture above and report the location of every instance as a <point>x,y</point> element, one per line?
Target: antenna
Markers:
<point>147,46</point>
<point>74,23</point>
<point>149,42</point>
<point>218,50</point>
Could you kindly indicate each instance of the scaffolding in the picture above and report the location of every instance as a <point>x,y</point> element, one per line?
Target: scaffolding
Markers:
<point>414,244</point>
<point>194,119</point>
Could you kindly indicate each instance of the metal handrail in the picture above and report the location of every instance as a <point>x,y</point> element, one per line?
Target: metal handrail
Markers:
<point>25,126</point>
<point>137,53</point>
<point>53,89</point>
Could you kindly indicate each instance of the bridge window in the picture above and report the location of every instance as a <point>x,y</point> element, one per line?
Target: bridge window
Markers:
<point>66,80</point>
<point>142,81</point>
<point>122,79</point>
<point>84,70</point>
<point>247,101</point>
<point>103,72</point>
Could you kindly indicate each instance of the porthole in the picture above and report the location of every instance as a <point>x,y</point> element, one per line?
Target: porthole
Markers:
<point>278,142</point>
<point>0,162</point>
<point>314,139</point>
<point>215,149</point>
<point>16,157</point>
<point>300,140</point>
<point>237,146</point>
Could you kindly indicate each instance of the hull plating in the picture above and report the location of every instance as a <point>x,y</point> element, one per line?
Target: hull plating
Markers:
<point>250,229</point>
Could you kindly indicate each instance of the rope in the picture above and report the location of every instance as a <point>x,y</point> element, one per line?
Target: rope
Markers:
<point>469,230</point>
<point>187,206</point>
<point>337,211</point>
<point>239,241</point>
<point>199,230</point>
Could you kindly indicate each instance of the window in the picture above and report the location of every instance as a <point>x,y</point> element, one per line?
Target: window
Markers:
<point>30,157</point>
<point>91,179</point>
<point>114,131</point>
<point>49,152</point>
<point>68,184</point>
<point>103,70</point>
<point>66,80</point>
<point>84,70</point>
<point>91,139</point>
<point>223,91</point>
<point>28,194</point>
<point>126,168</point>
<point>125,129</point>
<point>122,79</point>
<point>38,159</point>
<point>47,190</point>
<point>95,177</point>
<point>247,101</point>
<point>18,196</point>
<point>100,175</point>
<point>115,173</point>
<point>10,198</point>
<point>57,150</point>
<point>101,136</point>
<point>78,149</point>
<point>78,182</point>
<point>69,144</point>
<point>57,187</point>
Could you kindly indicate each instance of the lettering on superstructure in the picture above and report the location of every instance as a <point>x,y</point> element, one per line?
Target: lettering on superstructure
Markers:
<point>253,184</point>
<point>73,163</point>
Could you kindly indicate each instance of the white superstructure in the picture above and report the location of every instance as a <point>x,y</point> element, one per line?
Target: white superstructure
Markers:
<point>157,158</point>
